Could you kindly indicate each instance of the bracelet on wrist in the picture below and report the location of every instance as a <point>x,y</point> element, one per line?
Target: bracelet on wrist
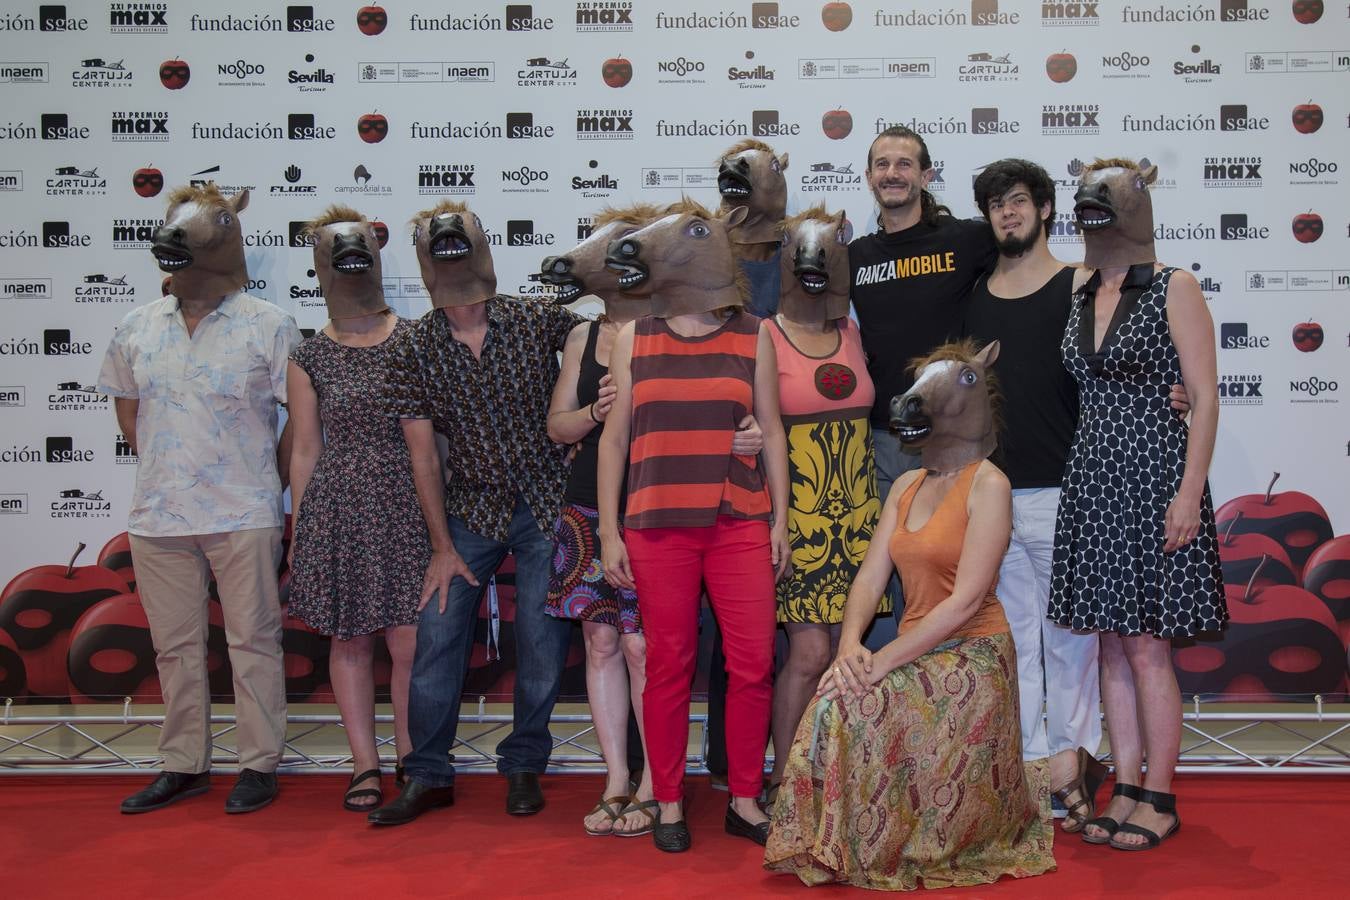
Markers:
<point>591,411</point>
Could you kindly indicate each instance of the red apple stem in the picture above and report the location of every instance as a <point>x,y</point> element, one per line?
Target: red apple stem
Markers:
<point>1251,582</point>
<point>70,566</point>
<point>1228,532</point>
<point>1270,487</point>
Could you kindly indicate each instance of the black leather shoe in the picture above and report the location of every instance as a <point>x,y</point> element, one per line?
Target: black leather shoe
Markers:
<point>415,799</point>
<point>169,787</point>
<point>738,827</point>
<point>252,791</point>
<point>523,795</point>
<point>672,838</point>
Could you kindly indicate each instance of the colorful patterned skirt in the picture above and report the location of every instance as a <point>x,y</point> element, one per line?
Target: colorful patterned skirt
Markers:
<point>576,586</point>
<point>919,781</point>
<point>832,511</point>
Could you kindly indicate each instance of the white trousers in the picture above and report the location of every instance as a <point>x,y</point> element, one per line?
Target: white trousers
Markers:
<point>1056,669</point>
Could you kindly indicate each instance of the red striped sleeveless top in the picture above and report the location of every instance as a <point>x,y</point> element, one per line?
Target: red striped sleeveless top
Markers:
<point>688,395</point>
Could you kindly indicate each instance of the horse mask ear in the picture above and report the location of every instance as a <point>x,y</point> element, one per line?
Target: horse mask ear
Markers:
<point>988,355</point>
<point>782,162</point>
<point>737,215</point>
<point>239,202</point>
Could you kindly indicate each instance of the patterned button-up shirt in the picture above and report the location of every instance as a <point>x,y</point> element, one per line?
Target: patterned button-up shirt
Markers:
<point>493,410</point>
<point>206,423</point>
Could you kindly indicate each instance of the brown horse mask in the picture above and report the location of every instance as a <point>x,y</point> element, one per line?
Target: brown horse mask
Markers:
<point>582,270</point>
<point>684,260</point>
<point>814,267</point>
<point>201,245</point>
<point>454,254</point>
<point>949,416</point>
<point>1115,213</point>
<point>347,262</point>
<point>750,177</point>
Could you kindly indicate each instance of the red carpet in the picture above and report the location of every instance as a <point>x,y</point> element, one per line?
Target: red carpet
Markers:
<point>63,837</point>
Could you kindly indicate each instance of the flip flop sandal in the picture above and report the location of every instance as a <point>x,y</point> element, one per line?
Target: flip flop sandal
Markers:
<point>648,808</point>
<point>353,793</point>
<point>607,805</point>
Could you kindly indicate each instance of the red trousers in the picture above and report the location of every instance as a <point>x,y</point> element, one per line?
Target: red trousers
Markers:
<point>670,567</point>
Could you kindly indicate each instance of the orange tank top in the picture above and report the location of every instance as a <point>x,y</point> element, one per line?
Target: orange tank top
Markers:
<point>927,558</point>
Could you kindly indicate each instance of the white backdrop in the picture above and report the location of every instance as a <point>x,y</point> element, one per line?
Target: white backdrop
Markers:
<point>508,108</point>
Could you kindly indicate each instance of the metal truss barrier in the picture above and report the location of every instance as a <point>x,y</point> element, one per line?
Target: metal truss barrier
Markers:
<point>1213,742</point>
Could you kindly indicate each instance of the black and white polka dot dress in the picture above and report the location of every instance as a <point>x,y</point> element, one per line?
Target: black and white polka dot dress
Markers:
<point>1110,572</point>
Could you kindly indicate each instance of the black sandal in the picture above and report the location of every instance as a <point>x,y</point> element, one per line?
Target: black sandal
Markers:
<point>353,792</point>
<point>1106,823</point>
<point>1162,803</point>
<point>1091,774</point>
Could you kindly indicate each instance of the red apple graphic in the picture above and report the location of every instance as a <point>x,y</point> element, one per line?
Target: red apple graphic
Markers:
<point>836,16</point>
<point>372,19</point>
<point>1307,227</point>
<point>617,71</point>
<point>1307,11</point>
<point>1307,117</point>
<point>372,127</point>
<point>1294,520</point>
<point>112,655</point>
<point>174,74</point>
<point>837,124</point>
<point>38,608</point>
<point>1240,554</point>
<point>1327,576</point>
<point>1061,67</point>
<point>13,673</point>
<point>381,232</point>
<point>147,182</point>
<point>1280,640</point>
<point>116,555</point>
<point>1308,336</point>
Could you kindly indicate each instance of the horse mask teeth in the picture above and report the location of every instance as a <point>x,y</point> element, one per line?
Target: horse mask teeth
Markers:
<point>455,255</point>
<point>750,176</point>
<point>814,267</point>
<point>1115,212</point>
<point>347,263</point>
<point>948,415</point>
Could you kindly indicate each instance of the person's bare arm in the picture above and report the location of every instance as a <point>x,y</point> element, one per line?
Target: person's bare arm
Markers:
<point>126,409</point>
<point>306,435</point>
<point>569,421</point>
<point>446,562</point>
<point>774,456</point>
<point>1193,335</point>
<point>612,457</point>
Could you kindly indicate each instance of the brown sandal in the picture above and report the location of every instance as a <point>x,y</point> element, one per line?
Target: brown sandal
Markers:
<point>607,805</point>
<point>648,808</point>
<point>1091,774</point>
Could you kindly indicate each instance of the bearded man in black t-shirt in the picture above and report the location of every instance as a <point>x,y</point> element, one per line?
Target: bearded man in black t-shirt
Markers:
<point>911,280</point>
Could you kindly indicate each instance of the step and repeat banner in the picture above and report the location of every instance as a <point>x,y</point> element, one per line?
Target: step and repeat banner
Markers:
<point>537,115</point>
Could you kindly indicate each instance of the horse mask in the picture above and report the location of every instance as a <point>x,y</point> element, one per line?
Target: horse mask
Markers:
<point>453,252</point>
<point>1115,213</point>
<point>750,177</point>
<point>347,262</point>
<point>582,269</point>
<point>814,267</point>
<point>949,416</point>
<point>201,245</point>
<point>684,260</point>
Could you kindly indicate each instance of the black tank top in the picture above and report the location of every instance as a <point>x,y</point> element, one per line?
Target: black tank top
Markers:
<point>581,478</point>
<point>1040,399</point>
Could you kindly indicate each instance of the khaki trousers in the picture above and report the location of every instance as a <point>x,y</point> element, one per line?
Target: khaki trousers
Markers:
<point>172,574</point>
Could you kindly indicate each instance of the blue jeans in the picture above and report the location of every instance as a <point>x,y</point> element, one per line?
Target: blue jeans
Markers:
<point>445,640</point>
<point>892,462</point>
